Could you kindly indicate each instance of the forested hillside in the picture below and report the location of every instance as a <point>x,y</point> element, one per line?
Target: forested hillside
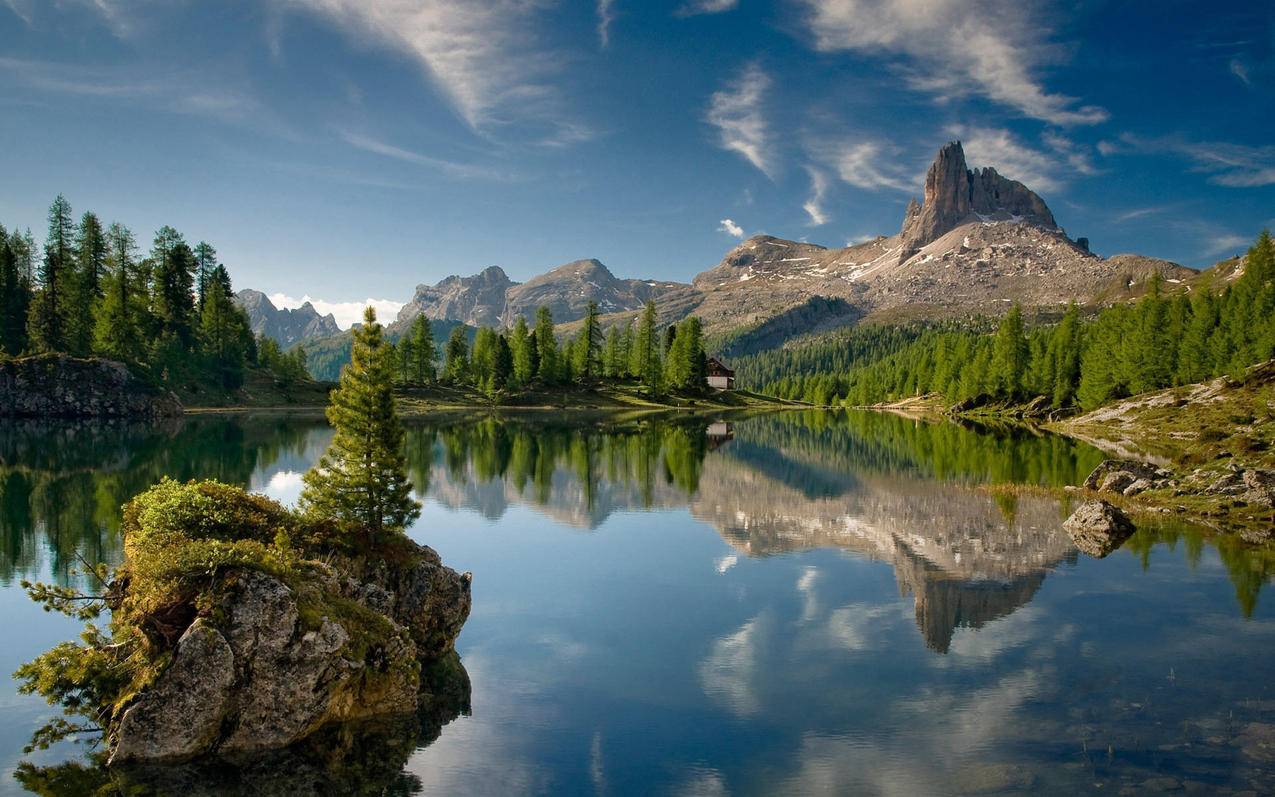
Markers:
<point>1085,360</point>
<point>169,312</point>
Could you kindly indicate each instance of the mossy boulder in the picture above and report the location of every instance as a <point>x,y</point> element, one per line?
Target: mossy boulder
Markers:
<point>60,386</point>
<point>239,626</point>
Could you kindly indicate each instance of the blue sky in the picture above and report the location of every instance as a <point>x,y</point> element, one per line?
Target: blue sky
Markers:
<point>346,149</point>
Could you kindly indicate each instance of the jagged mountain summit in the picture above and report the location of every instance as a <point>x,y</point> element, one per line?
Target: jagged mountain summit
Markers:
<point>955,194</point>
<point>977,243</point>
<point>285,327</point>
<point>490,298</point>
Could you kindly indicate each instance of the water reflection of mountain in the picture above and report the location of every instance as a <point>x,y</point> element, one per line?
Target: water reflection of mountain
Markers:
<point>888,489</point>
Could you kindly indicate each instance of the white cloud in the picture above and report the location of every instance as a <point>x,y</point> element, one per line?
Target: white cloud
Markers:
<point>1226,244</point>
<point>452,168</point>
<point>482,54</point>
<point>1078,157</point>
<point>736,111</point>
<point>1000,149</point>
<point>731,228</point>
<point>818,190</point>
<point>1231,165</point>
<point>346,313</point>
<point>865,164</point>
<point>606,15</point>
<point>695,7</point>
<point>727,673</point>
<point>1240,71</point>
<point>948,47</point>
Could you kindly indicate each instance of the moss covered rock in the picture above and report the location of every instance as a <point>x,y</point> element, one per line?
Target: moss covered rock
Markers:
<point>239,627</point>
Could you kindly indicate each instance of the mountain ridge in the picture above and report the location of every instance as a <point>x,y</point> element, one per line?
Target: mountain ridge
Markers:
<point>976,243</point>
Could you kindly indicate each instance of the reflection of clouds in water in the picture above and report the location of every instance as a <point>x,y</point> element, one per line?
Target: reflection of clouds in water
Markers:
<point>597,773</point>
<point>726,563</point>
<point>703,783</point>
<point>487,754</point>
<point>950,732</point>
<point>283,486</point>
<point>852,627</point>
<point>727,673</point>
<point>806,586</point>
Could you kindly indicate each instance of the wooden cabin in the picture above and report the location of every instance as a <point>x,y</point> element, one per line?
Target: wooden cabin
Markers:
<point>719,376</point>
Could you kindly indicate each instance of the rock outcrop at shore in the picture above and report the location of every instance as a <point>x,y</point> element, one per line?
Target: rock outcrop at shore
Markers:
<point>1097,528</point>
<point>60,386</point>
<point>239,627</point>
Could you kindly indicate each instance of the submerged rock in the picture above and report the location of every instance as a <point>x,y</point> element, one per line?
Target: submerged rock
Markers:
<point>60,386</point>
<point>1097,528</point>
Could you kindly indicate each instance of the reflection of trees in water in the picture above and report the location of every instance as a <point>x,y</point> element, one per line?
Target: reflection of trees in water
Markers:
<point>359,758</point>
<point>1250,567</point>
<point>62,484</point>
<point>876,442</point>
<point>527,454</point>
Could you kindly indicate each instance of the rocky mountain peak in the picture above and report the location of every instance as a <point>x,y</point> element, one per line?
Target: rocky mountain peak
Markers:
<point>285,327</point>
<point>954,193</point>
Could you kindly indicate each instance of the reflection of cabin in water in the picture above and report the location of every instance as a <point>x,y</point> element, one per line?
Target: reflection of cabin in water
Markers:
<point>718,434</point>
<point>719,376</point>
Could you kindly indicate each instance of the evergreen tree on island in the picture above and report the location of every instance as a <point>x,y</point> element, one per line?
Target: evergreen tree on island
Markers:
<point>361,481</point>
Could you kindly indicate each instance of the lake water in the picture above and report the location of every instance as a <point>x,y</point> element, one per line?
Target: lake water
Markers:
<point>792,603</point>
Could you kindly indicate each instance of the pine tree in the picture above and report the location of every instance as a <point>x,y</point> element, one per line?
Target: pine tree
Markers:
<point>173,275</point>
<point>85,289</point>
<point>546,348</point>
<point>1065,352</point>
<point>588,353</point>
<point>423,351</point>
<point>361,482</point>
<point>612,365</point>
<point>15,300</point>
<point>522,347</point>
<point>205,263</point>
<point>115,329</point>
<point>1009,355</point>
<point>645,360</point>
<point>456,367</point>
<point>503,367</point>
<point>222,330</point>
<point>483,359</point>
<point>49,313</point>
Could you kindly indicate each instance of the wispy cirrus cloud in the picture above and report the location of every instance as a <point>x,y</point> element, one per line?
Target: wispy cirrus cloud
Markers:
<point>1225,243</point>
<point>606,15</point>
<point>448,167</point>
<point>993,48</point>
<point>865,163</point>
<point>814,206</point>
<point>176,92</point>
<point>1227,164</point>
<point>483,55</point>
<point>1040,170</point>
<point>696,7</point>
<point>738,114</point>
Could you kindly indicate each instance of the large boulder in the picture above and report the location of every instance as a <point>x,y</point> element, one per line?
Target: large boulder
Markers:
<point>1126,477</point>
<point>1097,528</point>
<point>60,386</point>
<point>241,627</point>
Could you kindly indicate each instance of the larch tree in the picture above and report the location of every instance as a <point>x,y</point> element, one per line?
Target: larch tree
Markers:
<point>15,300</point>
<point>85,289</point>
<point>361,482</point>
<point>456,366</point>
<point>546,347</point>
<point>116,332</point>
<point>424,351</point>
<point>1009,355</point>
<point>48,317</point>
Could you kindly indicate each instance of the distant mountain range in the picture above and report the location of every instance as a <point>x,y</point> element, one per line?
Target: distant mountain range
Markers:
<point>285,326</point>
<point>976,243</point>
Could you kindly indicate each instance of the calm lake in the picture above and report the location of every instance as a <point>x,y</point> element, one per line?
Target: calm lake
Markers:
<point>788,603</point>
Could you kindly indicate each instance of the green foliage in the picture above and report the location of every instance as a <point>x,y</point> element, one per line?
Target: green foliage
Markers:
<point>548,366</point>
<point>361,482</point>
<point>456,365</point>
<point>1117,352</point>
